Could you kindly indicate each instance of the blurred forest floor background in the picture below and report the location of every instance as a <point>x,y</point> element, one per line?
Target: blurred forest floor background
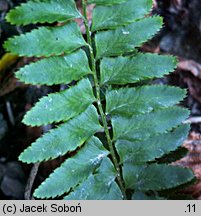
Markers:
<point>180,36</point>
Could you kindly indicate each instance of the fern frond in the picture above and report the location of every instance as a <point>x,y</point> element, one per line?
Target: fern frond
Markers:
<point>47,41</point>
<point>45,11</point>
<point>144,121</point>
<point>118,15</point>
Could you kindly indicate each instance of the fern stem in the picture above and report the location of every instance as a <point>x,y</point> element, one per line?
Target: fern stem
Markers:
<point>103,116</point>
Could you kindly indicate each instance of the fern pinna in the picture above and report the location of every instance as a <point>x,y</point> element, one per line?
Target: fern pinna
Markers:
<point>116,129</point>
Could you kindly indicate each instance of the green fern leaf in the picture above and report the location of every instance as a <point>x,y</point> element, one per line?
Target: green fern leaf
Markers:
<point>68,68</point>
<point>43,11</point>
<point>155,177</point>
<point>133,101</point>
<point>98,186</point>
<point>74,170</point>
<point>61,106</point>
<point>65,138</point>
<point>144,121</point>
<point>135,68</point>
<point>106,2</point>
<point>126,39</point>
<point>47,41</point>
<point>140,152</point>
<point>131,128</point>
<point>118,15</point>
